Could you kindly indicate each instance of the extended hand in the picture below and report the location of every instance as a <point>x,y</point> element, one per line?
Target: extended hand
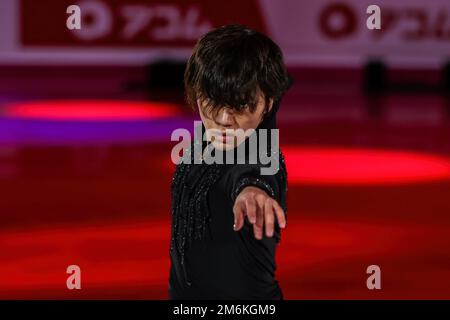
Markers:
<point>260,210</point>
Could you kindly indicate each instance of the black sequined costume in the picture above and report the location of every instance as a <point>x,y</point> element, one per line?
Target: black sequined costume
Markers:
<point>209,260</point>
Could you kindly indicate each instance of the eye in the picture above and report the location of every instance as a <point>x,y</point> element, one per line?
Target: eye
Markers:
<point>243,108</point>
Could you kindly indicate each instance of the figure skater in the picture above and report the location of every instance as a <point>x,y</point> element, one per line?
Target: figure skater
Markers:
<point>227,217</point>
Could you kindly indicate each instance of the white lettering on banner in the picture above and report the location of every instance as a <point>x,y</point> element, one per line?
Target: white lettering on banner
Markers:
<point>159,22</point>
<point>101,24</point>
<point>416,24</point>
<point>414,33</point>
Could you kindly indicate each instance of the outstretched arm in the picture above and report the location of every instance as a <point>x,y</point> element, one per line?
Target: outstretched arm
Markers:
<point>260,209</point>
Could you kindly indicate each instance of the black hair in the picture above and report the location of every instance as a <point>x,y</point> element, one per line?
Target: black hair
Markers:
<point>230,66</point>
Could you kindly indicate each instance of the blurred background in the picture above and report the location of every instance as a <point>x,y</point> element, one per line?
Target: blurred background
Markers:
<point>85,123</point>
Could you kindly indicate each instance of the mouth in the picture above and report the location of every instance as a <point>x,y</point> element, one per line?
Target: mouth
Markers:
<point>225,138</point>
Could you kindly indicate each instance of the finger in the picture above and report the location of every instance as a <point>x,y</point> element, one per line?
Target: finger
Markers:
<point>259,225</point>
<point>258,231</point>
<point>269,217</point>
<point>250,209</point>
<point>260,200</point>
<point>239,213</point>
<point>280,214</point>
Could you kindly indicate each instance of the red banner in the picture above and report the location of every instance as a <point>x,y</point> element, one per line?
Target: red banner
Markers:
<point>132,23</point>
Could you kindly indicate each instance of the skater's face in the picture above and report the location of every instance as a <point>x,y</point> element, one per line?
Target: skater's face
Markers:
<point>222,127</point>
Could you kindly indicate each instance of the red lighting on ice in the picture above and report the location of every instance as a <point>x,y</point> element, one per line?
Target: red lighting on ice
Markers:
<point>362,166</point>
<point>94,110</point>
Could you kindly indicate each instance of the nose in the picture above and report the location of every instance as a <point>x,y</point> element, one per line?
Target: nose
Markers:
<point>225,118</point>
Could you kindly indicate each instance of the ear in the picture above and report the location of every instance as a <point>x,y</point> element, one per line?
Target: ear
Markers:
<point>268,110</point>
<point>199,106</point>
<point>270,105</point>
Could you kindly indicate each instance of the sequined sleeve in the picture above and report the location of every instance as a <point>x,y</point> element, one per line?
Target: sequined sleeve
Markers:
<point>250,175</point>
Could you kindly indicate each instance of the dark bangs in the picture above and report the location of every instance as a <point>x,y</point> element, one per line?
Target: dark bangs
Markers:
<point>230,66</point>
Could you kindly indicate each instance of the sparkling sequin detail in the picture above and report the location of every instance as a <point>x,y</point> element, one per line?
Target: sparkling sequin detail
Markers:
<point>252,181</point>
<point>190,212</point>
